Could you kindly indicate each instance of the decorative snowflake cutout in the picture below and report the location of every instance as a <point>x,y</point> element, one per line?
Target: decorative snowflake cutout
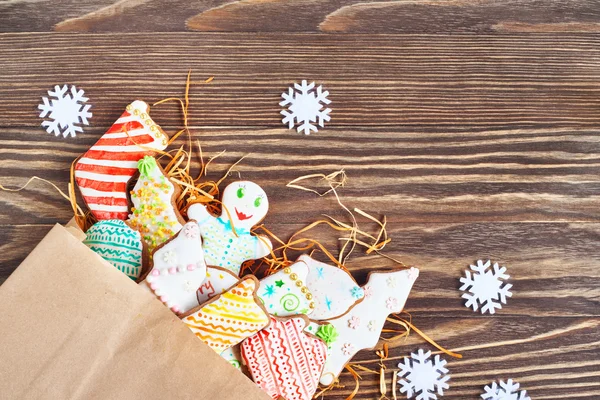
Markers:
<point>422,376</point>
<point>305,107</point>
<point>504,391</point>
<point>486,287</point>
<point>66,111</point>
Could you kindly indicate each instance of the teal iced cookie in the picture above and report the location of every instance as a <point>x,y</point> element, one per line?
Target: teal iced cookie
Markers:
<point>118,244</point>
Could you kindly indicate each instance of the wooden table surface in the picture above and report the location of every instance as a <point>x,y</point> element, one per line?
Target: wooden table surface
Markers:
<point>472,125</point>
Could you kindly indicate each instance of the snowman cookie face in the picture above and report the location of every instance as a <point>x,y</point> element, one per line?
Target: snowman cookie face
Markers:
<point>246,202</point>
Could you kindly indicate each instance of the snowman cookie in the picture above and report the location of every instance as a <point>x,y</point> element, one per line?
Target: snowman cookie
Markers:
<point>283,293</point>
<point>118,244</point>
<point>284,360</point>
<point>385,294</point>
<point>245,204</point>
<point>154,213</point>
<point>217,281</point>
<point>334,290</point>
<point>230,317</point>
<point>179,269</point>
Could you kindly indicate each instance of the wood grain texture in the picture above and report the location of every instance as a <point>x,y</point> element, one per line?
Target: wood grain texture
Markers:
<point>351,16</point>
<point>473,147</point>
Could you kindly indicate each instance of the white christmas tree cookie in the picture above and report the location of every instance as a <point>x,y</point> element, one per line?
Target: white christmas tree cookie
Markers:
<point>284,294</point>
<point>385,294</point>
<point>245,204</point>
<point>334,290</point>
<point>154,213</point>
<point>179,270</point>
<point>218,280</point>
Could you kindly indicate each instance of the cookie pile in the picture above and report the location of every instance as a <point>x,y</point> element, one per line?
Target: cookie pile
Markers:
<point>291,330</point>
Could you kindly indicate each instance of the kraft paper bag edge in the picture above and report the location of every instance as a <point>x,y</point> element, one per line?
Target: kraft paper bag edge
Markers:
<point>115,340</point>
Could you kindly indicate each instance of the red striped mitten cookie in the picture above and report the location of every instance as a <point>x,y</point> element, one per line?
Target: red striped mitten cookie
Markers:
<point>284,360</point>
<point>104,171</point>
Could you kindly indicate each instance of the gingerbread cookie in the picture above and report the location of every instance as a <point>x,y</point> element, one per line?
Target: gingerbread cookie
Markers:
<point>247,204</point>
<point>229,318</point>
<point>334,290</point>
<point>179,269</point>
<point>154,214</point>
<point>385,293</point>
<point>118,244</point>
<point>217,281</point>
<point>103,172</point>
<point>284,293</point>
<point>233,356</point>
<point>284,360</point>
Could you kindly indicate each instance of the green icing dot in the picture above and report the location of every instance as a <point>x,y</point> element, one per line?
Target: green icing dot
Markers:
<point>327,333</point>
<point>146,165</point>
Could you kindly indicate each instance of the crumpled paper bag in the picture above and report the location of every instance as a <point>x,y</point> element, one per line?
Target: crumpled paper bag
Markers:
<point>74,327</point>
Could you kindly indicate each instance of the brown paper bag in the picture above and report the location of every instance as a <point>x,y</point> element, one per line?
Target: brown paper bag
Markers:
<point>74,327</point>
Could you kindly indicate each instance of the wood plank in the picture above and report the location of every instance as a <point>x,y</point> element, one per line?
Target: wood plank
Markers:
<point>350,16</point>
<point>507,175</point>
<point>423,83</point>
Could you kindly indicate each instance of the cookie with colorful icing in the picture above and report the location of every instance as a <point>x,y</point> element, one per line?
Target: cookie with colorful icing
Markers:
<point>179,269</point>
<point>284,360</point>
<point>385,294</point>
<point>230,317</point>
<point>233,356</point>
<point>118,244</point>
<point>217,281</point>
<point>104,171</point>
<point>283,293</point>
<point>154,213</point>
<point>245,204</point>
<point>334,290</point>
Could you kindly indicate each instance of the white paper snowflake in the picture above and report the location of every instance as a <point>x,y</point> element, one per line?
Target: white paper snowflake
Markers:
<point>504,391</point>
<point>423,376</point>
<point>305,107</point>
<point>66,111</point>
<point>486,287</point>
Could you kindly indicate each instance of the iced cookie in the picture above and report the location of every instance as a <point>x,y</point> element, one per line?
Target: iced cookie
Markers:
<point>154,213</point>
<point>103,172</point>
<point>247,204</point>
<point>217,281</point>
<point>334,290</point>
<point>385,293</point>
<point>284,360</point>
<point>233,356</point>
<point>118,244</point>
<point>284,293</point>
<point>229,318</point>
<point>179,269</point>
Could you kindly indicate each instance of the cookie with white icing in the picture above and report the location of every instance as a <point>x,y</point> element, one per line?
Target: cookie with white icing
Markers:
<point>283,293</point>
<point>334,290</point>
<point>245,204</point>
<point>217,281</point>
<point>154,213</point>
<point>179,269</point>
<point>118,244</point>
<point>385,294</point>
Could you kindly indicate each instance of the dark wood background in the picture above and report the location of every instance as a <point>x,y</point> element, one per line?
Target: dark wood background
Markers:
<point>472,125</point>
